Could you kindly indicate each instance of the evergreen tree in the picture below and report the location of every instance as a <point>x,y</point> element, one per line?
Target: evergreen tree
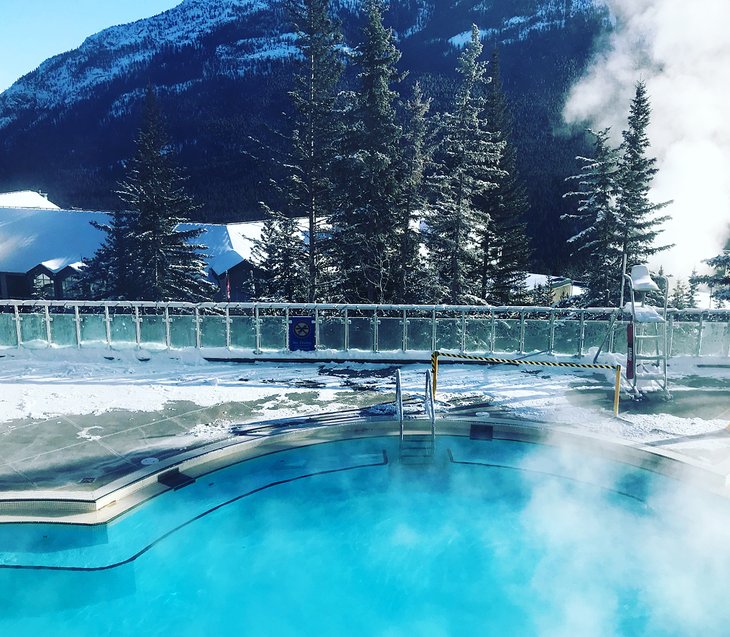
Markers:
<point>678,298</point>
<point>719,280</point>
<point>638,224</point>
<point>466,168</point>
<point>412,277</point>
<point>505,248</point>
<point>163,262</point>
<point>597,244</point>
<point>317,130</point>
<point>108,274</point>
<point>692,289</point>
<point>282,260</point>
<point>364,230</point>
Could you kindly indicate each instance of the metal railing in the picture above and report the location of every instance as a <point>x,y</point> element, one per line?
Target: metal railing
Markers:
<point>260,330</point>
<point>430,405</point>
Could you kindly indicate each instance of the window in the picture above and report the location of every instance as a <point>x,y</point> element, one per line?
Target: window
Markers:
<point>42,287</point>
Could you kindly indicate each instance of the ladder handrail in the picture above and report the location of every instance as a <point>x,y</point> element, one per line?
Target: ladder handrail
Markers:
<point>399,400</point>
<point>429,404</point>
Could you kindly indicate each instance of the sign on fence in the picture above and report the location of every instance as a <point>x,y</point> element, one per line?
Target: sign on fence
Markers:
<point>301,334</point>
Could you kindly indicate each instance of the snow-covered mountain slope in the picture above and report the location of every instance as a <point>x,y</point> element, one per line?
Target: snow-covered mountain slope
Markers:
<point>222,70</point>
<point>239,37</point>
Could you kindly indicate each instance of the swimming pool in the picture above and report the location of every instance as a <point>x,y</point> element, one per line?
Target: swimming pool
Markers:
<point>495,537</point>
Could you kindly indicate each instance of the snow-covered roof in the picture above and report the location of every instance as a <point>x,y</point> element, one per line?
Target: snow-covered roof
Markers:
<point>61,238</point>
<point>25,199</point>
<point>533,280</point>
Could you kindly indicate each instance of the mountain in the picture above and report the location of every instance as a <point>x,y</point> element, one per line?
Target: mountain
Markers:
<point>223,68</point>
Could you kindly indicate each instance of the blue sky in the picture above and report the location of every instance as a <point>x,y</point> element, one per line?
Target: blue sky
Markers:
<point>34,30</point>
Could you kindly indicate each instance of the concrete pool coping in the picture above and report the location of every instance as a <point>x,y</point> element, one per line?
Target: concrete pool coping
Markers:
<point>116,498</point>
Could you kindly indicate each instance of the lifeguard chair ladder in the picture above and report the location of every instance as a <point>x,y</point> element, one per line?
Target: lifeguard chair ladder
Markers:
<point>646,334</point>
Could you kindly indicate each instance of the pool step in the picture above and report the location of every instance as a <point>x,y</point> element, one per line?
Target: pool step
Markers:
<point>416,449</point>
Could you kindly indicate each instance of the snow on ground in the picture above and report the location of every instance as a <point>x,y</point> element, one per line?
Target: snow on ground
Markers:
<point>43,384</point>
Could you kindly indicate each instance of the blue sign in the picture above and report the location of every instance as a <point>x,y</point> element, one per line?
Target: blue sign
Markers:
<point>301,334</point>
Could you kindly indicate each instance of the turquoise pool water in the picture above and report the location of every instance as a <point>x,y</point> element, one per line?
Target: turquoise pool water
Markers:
<point>496,538</point>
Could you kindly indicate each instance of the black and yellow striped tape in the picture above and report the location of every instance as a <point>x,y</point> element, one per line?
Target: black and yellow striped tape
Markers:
<point>509,361</point>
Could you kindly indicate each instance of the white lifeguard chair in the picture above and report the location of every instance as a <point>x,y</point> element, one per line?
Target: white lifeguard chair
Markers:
<point>646,334</point>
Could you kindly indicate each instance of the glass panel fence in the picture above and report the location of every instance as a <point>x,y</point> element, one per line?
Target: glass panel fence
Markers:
<point>478,337</point>
<point>448,333</point>
<point>684,338</point>
<point>212,330</point>
<point>332,331</point>
<point>273,332</point>
<point>419,334</point>
<point>182,330</point>
<point>93,329</point>
<point>361,333</point>
<point>537,335</point>
<point>8,336</point>
<point>506,335</point>
<point>390,334</point>
<point>595,336</point>
<point>566,336</point>
<point>715,338</point>
<point>33,328</point>
<point>152,330</point>
<point>63,328</point>
<point>123,328</point>
<point>243,332</point>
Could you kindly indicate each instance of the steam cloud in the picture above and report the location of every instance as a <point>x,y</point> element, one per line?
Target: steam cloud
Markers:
<point>682,52</point>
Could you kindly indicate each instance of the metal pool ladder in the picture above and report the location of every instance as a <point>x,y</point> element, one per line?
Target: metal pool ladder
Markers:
<point>416,447</point>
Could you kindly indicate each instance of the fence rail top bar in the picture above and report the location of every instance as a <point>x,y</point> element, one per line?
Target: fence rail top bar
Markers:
<point>308,307</point>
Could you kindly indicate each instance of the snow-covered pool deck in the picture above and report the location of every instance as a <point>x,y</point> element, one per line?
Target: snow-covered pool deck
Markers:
<point>80,426</point>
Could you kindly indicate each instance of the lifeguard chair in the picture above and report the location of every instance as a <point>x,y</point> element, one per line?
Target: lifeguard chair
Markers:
<point>646,333</point>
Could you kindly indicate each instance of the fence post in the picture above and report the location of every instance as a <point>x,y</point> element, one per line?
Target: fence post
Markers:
<point>108,326</point>
<point>462,347</point>
<point>433,329</point>
<point>77,321</point>
<point>551,335</point>
<point>196,320</point>
<point>18,330</point>
<point>522,333</point>
<point>700,329</point>
<point>404,333</point>
<point>346,336</point>
<point>257,328</point>
<point>47,317</point>
<point>168,335</point>
<point>137,326</point>
<point>582,334</point>
<point>375,330</point>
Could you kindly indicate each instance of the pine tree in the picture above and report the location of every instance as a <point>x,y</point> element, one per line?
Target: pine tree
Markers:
<point>282,260</point>
<point>164,263</point>
<point>719,280</point>
<point>638,225</point>
<point>597,244</point>
<point>678,299</point>
<point>692,290</point>
<point>317,129</point>
<point>411,275</point>
<point>505,247</point>
<point>364,231</point>
<point>466,168</point>
<point>108,274</point>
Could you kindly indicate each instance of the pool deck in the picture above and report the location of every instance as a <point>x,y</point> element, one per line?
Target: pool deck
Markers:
<point>88,458</point>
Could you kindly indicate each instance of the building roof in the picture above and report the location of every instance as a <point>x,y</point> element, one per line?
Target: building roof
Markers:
<point>58,239</point>
<point>25,199</point>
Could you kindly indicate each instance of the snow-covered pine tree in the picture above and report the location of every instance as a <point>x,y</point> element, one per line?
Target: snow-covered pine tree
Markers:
<point>692,289</point>
<point>317,125</point>
<point>282,260</point>
<point>364,230</point>
<point>678,298</point>
<point>638,224</point>
<point>108,274</point>
<point>465,168</point>
<point>719,280</point>
<point>412,278</point>
<point>504,244</point>
<point>165,264</point>
<point>597,242</point>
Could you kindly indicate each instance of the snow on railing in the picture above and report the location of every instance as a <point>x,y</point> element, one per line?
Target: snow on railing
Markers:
<point>261,330</point>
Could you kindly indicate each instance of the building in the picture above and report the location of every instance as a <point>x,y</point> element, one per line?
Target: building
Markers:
<point>43,249</point>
